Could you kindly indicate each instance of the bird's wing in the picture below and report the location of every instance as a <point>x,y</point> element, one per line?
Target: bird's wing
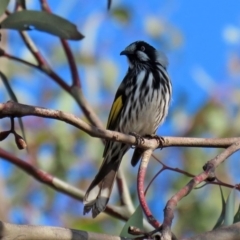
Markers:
<point>117,106</point>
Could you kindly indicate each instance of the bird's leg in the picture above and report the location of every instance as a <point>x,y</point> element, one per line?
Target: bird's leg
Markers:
<point>139,139</point>
<point>159,139</point>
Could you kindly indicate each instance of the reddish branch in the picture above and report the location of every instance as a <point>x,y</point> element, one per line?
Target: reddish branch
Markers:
<point>140,186</point>
<point>72,64</point>
<point>165,167</point>
<point>43,68</point>
<point>33,49</point>
<point>75,89</point>
<point>209,167</point>
<point>59,185</point>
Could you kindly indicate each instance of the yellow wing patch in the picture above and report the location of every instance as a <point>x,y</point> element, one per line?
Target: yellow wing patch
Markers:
<point>116,108</point>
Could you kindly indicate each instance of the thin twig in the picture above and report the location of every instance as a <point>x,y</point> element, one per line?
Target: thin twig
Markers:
<point>71,61</point>
<point>72,64</point>
<point>124,193</point>
<point>59,185</point>
<point>166,167</point>
<point>209,168</point>
<point>33,49</point>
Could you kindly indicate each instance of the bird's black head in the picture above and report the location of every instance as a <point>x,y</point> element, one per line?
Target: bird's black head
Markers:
<point>141,52</point>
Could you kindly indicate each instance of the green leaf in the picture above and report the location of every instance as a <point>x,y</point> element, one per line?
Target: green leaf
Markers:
<point>221,217</point>
<point>135,220</point>
<point>230,204</point>
<point>3,6</point>
<point>13,97</point>
<point>42,21</point>
<point>237,216</point>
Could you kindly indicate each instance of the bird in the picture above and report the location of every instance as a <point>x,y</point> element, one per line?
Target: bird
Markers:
<point>140,106</point>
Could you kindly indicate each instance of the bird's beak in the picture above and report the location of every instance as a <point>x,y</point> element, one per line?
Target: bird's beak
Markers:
<point>125,52</point>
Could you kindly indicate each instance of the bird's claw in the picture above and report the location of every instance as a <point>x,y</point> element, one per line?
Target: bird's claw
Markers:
<point>159,139</point>
<point>139,139</point>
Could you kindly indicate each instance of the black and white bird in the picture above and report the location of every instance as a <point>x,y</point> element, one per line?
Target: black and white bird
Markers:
<point>140,106</point>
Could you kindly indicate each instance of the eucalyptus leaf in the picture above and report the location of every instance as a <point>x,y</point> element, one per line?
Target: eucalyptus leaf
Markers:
<point>42,21</point>
<point>230,204</point>
<point>237,216</point>
<point>135,220</point>
<point>221,217</point>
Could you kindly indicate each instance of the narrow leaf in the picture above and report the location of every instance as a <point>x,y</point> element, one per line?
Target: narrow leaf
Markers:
<point>42,21</point>
<point>237,216</point>
<point>221,217</point>
<point>12,97</point>
<point>3,6</point>
<point>135,220</point>
<point>230,204</point>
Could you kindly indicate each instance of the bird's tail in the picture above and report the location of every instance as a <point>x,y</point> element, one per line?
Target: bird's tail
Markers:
<point>136,156</point>
<point>98,193</point>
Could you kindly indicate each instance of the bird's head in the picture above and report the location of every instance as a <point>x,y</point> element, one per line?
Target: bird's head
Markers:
<point>141,52</point>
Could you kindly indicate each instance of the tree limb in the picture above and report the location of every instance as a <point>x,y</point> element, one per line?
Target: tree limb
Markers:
<point>13,109</point>
<point>33,232</point>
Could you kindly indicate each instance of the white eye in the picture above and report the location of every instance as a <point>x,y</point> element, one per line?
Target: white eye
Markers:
<point>142,48</point>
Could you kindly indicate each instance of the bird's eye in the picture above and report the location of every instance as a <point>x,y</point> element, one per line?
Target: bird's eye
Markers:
<point>142,48</point>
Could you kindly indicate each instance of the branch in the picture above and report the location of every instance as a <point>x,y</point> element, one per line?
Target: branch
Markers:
<point>34,232</point>
<point>31,232</point>
<point>178,170</point>
<point>125,198</point>
<point>72,64</point>
<point>59,185</point>
<point>78,95</point>
<point>140,187</point>
<point>13,109</point>
<point>231,232</point>
<point>33,49</point>
<point>208,172</point>
<point>76,90</point>
<point>43,176</point>
<point>43,68</point>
